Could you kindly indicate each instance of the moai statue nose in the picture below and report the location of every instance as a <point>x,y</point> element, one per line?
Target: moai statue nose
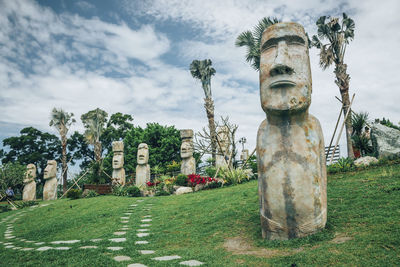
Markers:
<point>281,62</point>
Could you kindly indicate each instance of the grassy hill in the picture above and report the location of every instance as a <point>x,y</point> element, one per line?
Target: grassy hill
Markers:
<point>219,227</point>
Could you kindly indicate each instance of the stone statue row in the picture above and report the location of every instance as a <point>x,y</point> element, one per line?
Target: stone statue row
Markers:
<point>50,186</point>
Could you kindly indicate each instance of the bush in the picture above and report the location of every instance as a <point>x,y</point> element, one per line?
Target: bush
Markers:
<point>133,191</point>
<point>91,193</point>
<point>182,180</point>
<point>74,194</point>
<point>119,191</point>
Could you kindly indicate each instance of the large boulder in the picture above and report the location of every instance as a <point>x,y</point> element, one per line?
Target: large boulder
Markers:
<point>365,161</point>
<point>385,140</point>
<point>183,190</point>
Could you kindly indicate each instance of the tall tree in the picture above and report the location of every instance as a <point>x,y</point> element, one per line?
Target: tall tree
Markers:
<point>202,70</point>
<point>338,35</point>
<point>252,40</point>
<point>94,122</point>
<point>62,120</point>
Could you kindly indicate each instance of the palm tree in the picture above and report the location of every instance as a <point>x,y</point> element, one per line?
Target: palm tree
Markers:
<point>62,120</point>
<point>338,35</point>
<point>252,40</point>
<point>202,70</point>
<point>94,122</point>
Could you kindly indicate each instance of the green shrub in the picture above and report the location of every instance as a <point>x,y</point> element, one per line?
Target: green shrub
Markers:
<point>133,191</point>
<point>181,180</point>
<point>210,171</point>
<point>74,194</point>
<point>91,193</point>
<point>119,191</point>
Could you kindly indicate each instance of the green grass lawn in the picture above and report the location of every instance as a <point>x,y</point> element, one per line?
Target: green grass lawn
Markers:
<point>219,227</point>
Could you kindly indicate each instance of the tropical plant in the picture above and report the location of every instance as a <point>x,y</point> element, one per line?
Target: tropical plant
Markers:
<point>202,70</point>
<point>338,35</point>
<point>252,40</point>
<point>94,122</point>
<point>62,120</point>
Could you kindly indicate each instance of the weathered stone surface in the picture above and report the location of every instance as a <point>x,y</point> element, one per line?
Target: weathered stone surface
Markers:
<point>29,192</point>
<point>385,140</point>
<point>118,175</point>
<point>183,190</point>
<point>290,145</point>
<point>50,186</point>
<point>143,168</point>
<point>365,161</point>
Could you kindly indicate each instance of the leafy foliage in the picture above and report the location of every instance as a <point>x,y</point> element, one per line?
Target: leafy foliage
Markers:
<point>252,41</point>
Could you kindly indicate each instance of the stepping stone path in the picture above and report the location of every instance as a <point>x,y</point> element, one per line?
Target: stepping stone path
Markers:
<point>141,231</point>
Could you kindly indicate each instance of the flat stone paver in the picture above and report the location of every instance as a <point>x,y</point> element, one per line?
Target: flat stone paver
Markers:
<point>142,234</point>
<point>119,233</point>
<point>191,263</point>
<point>44,248</point>
<point>137,265</point>
<point>115,248</point>
<point>141,242</point>
<point>121,239</point>
<point>167,258</point>
<point>122,258</point>
<point>65,242</point>
<point>146,252</point>
<point>85,247</point>
<point>62,248</point>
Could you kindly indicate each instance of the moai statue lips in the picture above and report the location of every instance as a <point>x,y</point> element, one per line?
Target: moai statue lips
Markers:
<point>290,145</point>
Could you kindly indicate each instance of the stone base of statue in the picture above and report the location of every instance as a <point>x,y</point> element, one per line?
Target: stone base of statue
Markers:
<point>142,174</point>
<point>118,177</point>
<point>29,192</point>
<point>188,166</point>
<point>50,189</point>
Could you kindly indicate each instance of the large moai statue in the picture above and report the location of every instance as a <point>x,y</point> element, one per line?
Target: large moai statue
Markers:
<point>118,174</point>
<point>50,186</point>
<point>29,192</point>
<point>142,168</point>
<point>222,158</point>
<point>290,145</point>
<point>188,165</point>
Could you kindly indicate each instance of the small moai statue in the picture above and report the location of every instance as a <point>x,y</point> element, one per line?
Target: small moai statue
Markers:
<point>50,186</point>
<point>290,144</point>
<point>188,165</point>
<point>244,155</point>
<point>142,168</point>
<point>222,158</point>
<point>29,192</point>
<point>118,174</point>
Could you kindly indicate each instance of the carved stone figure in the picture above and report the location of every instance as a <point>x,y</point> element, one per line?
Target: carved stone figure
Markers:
<point>244,155</point>
<point>222,158</point>
<point>188,165</point>
<point>29,192</point>
<point>118,175</point>
<point>143,168</point>
<point>290,145</point>
<point>50,186</point>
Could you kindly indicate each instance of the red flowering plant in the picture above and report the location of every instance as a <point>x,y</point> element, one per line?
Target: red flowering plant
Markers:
<point>195,179</point>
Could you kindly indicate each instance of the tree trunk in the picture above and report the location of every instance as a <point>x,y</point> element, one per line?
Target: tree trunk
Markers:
<point>64,162</point>
<point>342,80</point>
<point>209,105</point>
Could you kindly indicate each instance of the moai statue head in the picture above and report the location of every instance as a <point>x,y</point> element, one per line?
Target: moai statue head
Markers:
<point>223,137</point>
<point>118,158</point>
<point>285,74</point>
<point>51,169</point>
<point>30,173</point>
<point>187,143</point>
<point>143,154</point>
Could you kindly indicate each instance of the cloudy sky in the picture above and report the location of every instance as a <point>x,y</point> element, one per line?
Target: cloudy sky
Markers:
<point>134,56</point>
